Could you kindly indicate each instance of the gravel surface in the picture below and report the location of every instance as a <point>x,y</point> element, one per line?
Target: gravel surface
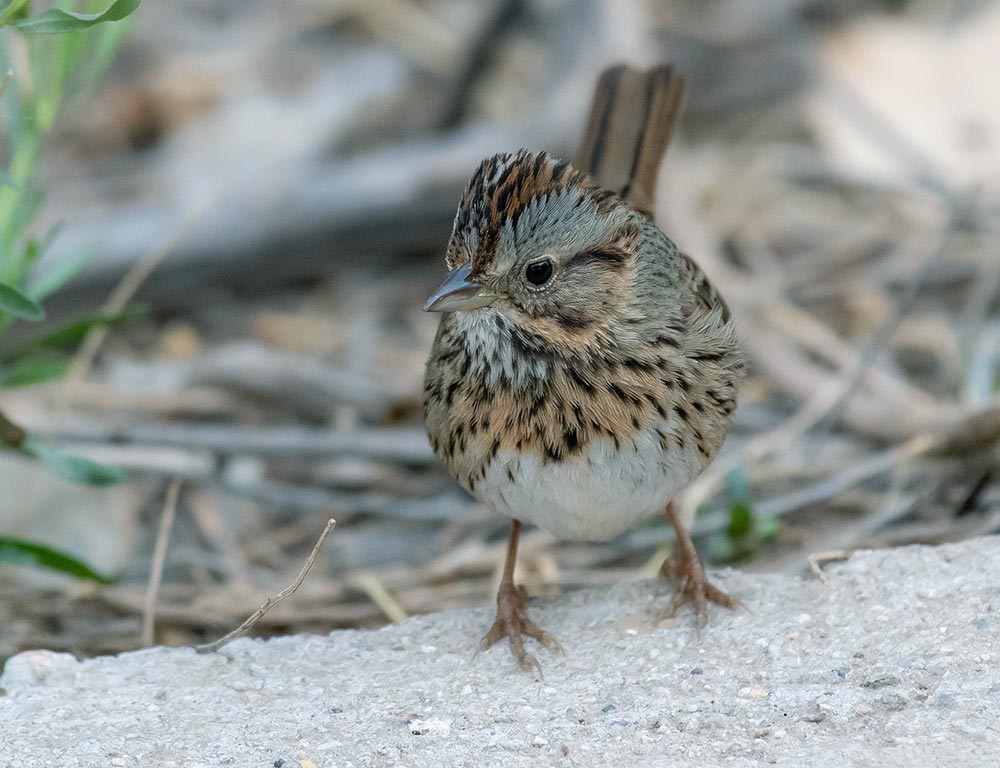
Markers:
<point>893,663</point>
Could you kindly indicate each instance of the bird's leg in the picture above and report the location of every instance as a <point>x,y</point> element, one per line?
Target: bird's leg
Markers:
<point>512,622</point>
<point>689,574</point>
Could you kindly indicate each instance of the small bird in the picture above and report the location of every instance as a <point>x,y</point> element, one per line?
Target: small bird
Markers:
<point>585,370</point>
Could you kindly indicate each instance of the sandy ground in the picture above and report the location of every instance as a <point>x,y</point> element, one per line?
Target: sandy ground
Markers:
<point>893,663</point>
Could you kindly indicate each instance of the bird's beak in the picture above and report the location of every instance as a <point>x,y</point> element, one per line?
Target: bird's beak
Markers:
<point>459,294</point>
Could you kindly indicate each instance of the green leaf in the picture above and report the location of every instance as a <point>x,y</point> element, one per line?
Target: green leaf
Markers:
<point>71,334</point>
<point>20,552</point>
<point>32,250</point>
<point>13,9</point>
<point>73,468</point>
<point>25,373</point>
<point>741,517</point>
<point>57,21</point>
<point>15,303</point>
<point>51,277</point>
<point>6,180</point>
<point>740,522</point>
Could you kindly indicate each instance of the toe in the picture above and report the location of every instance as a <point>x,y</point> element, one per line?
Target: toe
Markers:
<point>551,644</point>
<point>516,643</point>
<point>719,597</point>
<point>679,598</point>
<point>529,663</point>
<point>700,605</point>
<point>492,637</point>
<point>525,660</point>
<point>532,630</point>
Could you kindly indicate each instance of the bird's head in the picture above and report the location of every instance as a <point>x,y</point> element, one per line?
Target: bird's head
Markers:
<point>546,250</point>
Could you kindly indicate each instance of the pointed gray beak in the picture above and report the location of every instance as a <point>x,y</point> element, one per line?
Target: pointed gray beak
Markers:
<point>459,294</point>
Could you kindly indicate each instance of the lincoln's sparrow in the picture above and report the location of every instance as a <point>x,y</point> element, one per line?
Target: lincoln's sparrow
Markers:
<point>585,370</point>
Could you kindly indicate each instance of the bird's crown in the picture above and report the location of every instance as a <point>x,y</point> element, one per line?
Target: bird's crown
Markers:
<point>506,186</point>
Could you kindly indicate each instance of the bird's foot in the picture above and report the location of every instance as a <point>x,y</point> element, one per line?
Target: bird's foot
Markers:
<point>693,587</point>
<point>513,623</point>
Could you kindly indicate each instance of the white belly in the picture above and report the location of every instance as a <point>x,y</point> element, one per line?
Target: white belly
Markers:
<point>593,496</point>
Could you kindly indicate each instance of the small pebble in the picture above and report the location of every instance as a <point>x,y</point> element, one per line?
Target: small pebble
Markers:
<point>893,702</point>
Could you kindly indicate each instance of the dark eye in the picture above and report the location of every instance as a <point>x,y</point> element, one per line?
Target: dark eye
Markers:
<point>539,272</point>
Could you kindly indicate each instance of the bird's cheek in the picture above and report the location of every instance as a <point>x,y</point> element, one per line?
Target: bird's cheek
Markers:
<point>568,327</point>
<point>594,293</point>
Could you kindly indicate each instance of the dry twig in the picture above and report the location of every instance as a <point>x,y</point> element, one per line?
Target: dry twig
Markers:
<point>247,625</point>
<point>818,559</point>
<point>159,556</point>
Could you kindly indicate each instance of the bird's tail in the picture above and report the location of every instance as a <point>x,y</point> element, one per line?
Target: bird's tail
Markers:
<point>630,125</point>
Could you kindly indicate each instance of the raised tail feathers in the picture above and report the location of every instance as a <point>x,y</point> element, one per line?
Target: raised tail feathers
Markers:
<point>631,122</point>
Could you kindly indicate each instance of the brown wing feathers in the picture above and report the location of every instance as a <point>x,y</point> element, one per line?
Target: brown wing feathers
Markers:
<point>631,122</point>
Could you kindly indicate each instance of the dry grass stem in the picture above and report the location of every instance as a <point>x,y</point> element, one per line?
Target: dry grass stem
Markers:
<point>369,583</point>
<point>247,625</point>
<point>159,557</point>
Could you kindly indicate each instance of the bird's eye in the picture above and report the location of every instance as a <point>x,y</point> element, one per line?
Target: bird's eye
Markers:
<point>539,272</point>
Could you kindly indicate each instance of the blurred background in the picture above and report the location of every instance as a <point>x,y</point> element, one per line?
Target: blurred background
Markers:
<point>234,210</point>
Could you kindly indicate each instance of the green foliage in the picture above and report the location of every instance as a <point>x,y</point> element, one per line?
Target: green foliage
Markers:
<point>67,49</point>
<point>14,11</point>
<point>59,22</point>
<point>746,532</point>
<point>68,336</point>
<point>72,468</point>
<point>740,522</point>
<point>16,304</point>
<point>25,373</point>
<point>20,552</point>
<point>43,283</point>
<point>46,357</point>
